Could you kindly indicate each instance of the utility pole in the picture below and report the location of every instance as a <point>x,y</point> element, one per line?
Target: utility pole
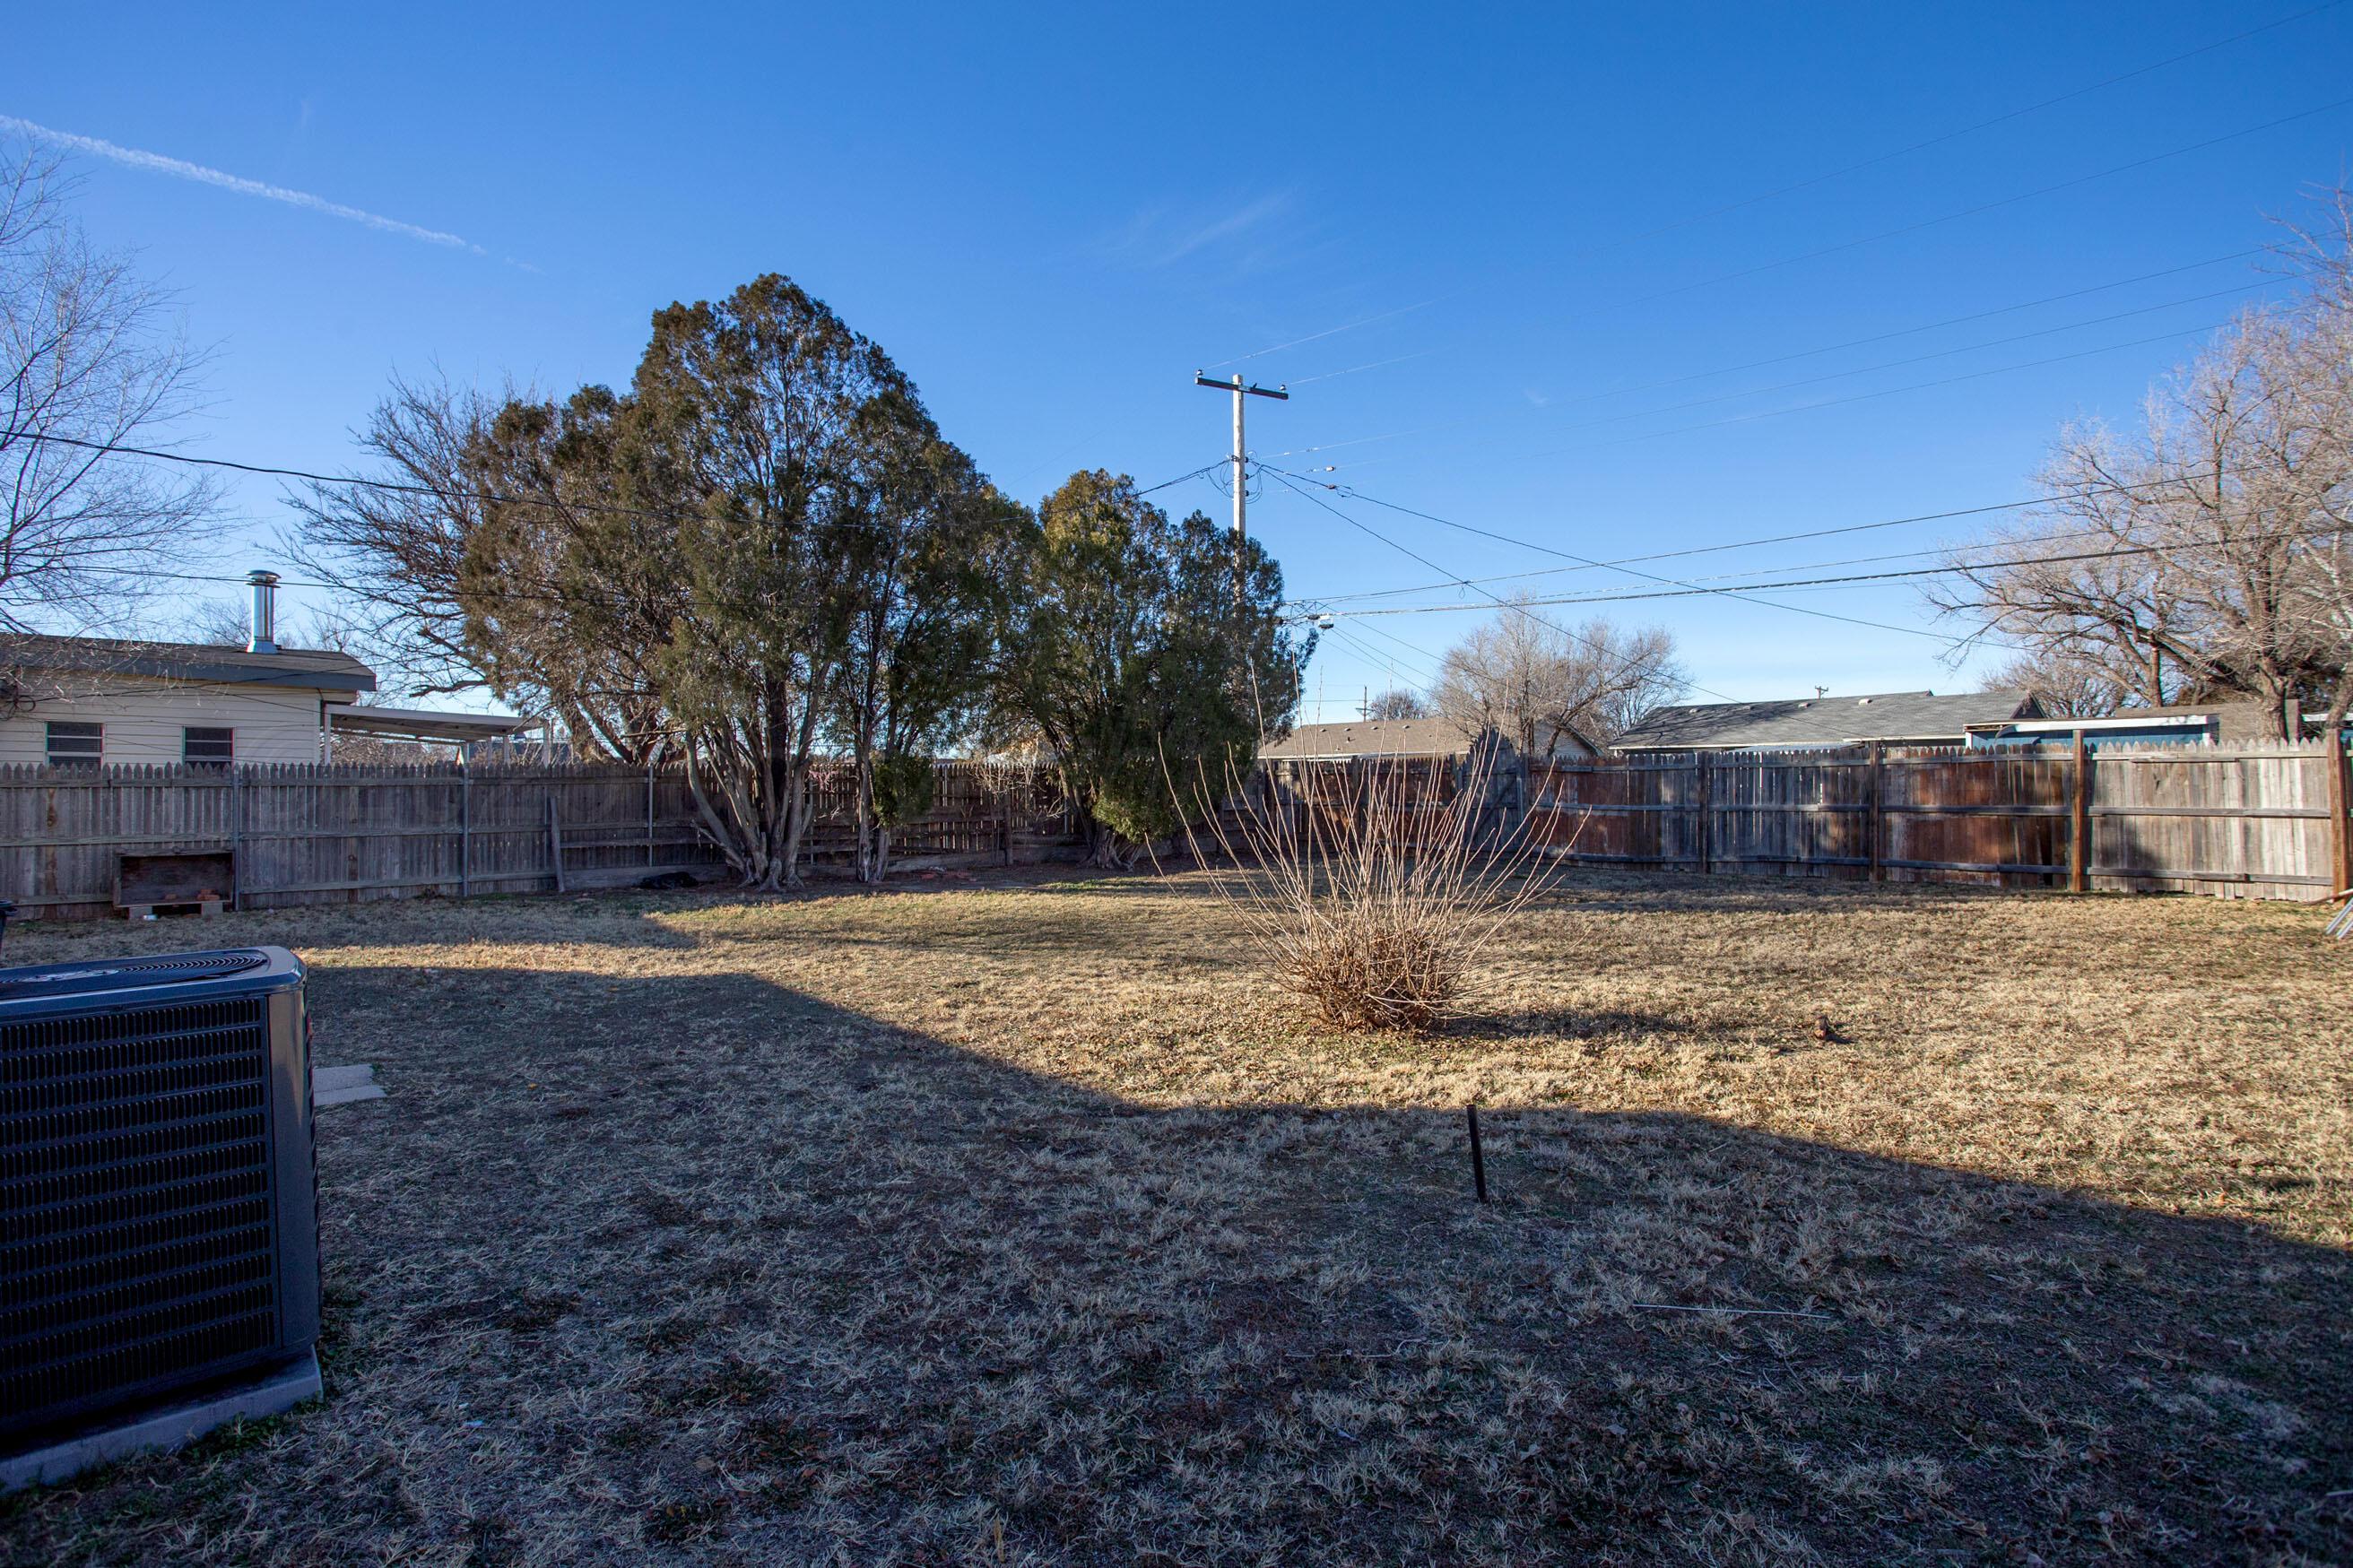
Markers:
<point>1241,458</point>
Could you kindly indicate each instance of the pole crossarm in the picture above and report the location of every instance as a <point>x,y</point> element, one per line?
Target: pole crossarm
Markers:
<point>1240,389</point>
<point>1237,385</point>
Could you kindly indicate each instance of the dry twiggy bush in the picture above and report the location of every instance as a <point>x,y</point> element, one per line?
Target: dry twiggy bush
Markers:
<point>1374,887</point>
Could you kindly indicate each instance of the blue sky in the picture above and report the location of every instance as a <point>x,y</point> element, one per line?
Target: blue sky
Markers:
<point>1520,224</point>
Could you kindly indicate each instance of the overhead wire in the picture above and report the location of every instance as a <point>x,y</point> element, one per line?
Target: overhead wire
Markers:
<point>1905,521</point>
<point>399,486</point>
<point>1954,568</point>
<point>1515,606</point>
<point>1631,571</point>
<point>2041,538</point>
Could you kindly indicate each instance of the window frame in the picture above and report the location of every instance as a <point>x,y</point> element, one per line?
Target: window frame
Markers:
<point>222,735</point>
<point>95,731</point>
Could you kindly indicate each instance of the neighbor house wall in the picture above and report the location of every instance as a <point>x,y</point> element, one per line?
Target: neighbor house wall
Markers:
<point>143,717</point>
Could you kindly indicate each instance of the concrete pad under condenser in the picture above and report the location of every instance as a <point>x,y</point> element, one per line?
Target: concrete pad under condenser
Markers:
<point>170,1427</point>
<point>341,1085</point>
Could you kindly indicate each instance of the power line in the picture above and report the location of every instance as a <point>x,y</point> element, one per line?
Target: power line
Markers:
<point>1196,473</point>
<point>402,487</point>
<point>1327,601</point>
<point>268,471</point>
<point>1285,479</point>
<point>1589,561</point>
<point>1385,661</point>
<point>2084,492</point>
<point>273,471</point>
<point>1957,567</point>
<point>1436,660</point>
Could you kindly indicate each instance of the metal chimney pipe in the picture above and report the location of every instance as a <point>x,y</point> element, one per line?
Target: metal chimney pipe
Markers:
<point>264,638</point>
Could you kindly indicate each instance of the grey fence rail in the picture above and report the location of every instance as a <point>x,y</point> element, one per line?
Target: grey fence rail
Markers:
<point>337,833</point>
<point>2244,821</point>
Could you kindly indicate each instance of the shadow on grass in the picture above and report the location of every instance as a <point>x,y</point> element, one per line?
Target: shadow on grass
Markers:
<point>1568,1023</point>
<point>702,1269</point>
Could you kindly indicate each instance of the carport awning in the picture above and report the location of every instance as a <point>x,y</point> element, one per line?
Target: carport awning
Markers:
<point>423,724</point>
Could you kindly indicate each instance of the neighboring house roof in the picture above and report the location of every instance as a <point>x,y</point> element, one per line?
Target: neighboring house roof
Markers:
<point>316,669</point>
<point>1370,738</point>
<point>1396,738</point>
<point>2234,718</point>
<point>425,724</point>
<point>1918,716</point>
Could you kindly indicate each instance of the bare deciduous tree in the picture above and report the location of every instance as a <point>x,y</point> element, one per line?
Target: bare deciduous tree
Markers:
<point>1397,703</point>
<point>2205,553</point>
<point>2071,685</point>
<point>91,358</point>
<point>393,550</point>
<point>1531,678</point>
<point>2321,594</point>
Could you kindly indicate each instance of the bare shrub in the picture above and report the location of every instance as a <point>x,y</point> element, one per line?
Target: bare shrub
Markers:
<point>1374,887</point>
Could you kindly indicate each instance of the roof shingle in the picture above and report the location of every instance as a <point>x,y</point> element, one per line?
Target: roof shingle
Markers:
<point>1916,716</point>
<point>320,668</point>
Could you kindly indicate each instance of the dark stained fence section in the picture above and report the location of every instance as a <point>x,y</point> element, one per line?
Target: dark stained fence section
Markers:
<point>2244,821</point>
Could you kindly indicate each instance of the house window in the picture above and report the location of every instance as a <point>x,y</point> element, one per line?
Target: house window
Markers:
<point>75,743</point>
<point>207,746</point>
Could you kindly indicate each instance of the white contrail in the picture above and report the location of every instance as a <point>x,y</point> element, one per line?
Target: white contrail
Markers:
<point>156,163</point>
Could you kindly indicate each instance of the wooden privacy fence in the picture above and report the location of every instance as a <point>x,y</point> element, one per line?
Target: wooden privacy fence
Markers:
<point>2244,821</point>
<point>2249,821</point>
<point>334,833</point>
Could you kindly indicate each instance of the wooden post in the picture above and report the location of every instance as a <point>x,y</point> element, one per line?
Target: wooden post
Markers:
<point>1875,822</point>
<point>465,828</point>
<point>236,838</point>
<point>2341,800</point>
<point>554,842</point>
<point>1704,764</point>
<point>650,811</point>
<point>2079,819</point>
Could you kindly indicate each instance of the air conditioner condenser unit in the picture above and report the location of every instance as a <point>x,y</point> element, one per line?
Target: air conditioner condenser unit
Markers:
<point>159,1254</point>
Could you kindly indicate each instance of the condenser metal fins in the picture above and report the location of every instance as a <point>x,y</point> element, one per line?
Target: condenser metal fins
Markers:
<point>157,1224</point>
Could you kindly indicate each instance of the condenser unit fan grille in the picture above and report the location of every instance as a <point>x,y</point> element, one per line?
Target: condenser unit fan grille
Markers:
<point>137,1213</point>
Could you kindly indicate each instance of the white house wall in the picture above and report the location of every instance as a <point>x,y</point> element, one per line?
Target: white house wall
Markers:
<point>143,718</point>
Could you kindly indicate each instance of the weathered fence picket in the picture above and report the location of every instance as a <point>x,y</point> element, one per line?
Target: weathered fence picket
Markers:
<point>2244,821</point>
<point>300,834</point>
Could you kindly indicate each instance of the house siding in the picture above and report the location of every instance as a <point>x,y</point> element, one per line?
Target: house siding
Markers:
<point>143,718</point>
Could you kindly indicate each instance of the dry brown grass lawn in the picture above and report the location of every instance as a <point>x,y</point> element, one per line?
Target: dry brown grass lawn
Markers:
<point>1022,1224</point>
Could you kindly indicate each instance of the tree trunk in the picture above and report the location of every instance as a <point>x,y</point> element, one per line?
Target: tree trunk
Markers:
<point>1102,846</point>
<point>730,850</point>
<point>786,872</point>
<point>797,803</point>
